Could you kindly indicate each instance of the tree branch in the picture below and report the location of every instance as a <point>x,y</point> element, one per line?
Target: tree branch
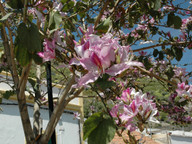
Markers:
<point>57,112</point>
<point>101,13</point>
<point>156,76</point>
<point>20,88</point>
<point>163,44</point>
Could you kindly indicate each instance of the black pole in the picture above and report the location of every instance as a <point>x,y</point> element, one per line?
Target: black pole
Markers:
<point>50,96</point>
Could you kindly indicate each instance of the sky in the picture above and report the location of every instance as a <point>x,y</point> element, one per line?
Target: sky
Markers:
<point>187,54</point>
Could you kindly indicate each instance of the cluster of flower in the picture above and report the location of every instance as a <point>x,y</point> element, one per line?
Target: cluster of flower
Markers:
<point>133,109</point>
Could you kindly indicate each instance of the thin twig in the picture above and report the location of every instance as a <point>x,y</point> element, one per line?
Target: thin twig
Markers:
<point>162,44</point>
<point>101,13</point>
<point>156,76</point>
<point>25,11</point>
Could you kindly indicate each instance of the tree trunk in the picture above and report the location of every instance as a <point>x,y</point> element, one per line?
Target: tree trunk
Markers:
<point>37,121</point>
<point>19,85</point>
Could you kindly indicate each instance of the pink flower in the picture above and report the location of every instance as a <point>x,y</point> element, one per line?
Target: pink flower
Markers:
<point>57,6</point>
<point>126,96</point>
<point>138,108</point>
<point>39,5</point>
<point>97,54</point>
<point>130,126</point>
<point>183,36</point>
<point>118,16</point>
<point>187,12</point>
<point>142,53</point>
<point>37,13</point>
<point>152,21</point>
<point>129,112</point>
<point>92,108</point>
<point>114,111</point>
<point>169,34</point>
<point>168,8</point>
<point>189,91</point>
<point>181,88</point>
<point>190,46</point>
<point>142,27</point>
<point>76,115</point>
<point>185,22</point>
<point>49,50</point>
<point>179,71</point>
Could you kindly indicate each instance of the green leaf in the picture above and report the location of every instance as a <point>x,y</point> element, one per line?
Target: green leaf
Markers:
<point>34,39</point>
<point>177,22</point>
<point>174,21</point>
<point>51,17</point>
<point>6,17</point>
<point>170,19</point>
<point>64,1</point>
<point>155,52</point>
<point>22,54</point>
<point>16,4</point>
<point>104,26</point>
<point>7,94</point>
<point>103,83</point>
<point>91,123</point>
<point>178,53</point>
<point>157,4</point>
<point>57,19</point>
<point>104,132</point>
<point>1,25</point>
<point>22,31</point>
<point>161,55</point>
<point>54,18</point>
<point>38,60</point>
<point>29,38</point>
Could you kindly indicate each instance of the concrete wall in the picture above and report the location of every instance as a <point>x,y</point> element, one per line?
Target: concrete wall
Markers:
<point>181,140</point>
<point>11,131</point>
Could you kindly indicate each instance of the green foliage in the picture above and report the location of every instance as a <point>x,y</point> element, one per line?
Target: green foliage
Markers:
<point>104,26</point>
<point>54,19</point>
<point>103,83</point>
<point>29,37</point>
<point>16,4</point>
<point>155,52</point>
<point>91,102</point>
<point>38,60</point>
<point>154,87</point>
<point>177,52</point>
<point>57,19</point>
<point>27,43</point>
<point>91,123</point>
<point>104,132</point>
<point>98,129</point>
<point>7,94</point>
<point>21,53</point>
<point>33,83</point>
<point>157,4</point>
<point>6,17</point>
<point>174,21</point>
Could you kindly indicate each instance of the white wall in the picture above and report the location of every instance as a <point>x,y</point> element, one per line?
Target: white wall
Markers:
<point>57,92</point>
<point>181,140</point>
<point>11,131</point>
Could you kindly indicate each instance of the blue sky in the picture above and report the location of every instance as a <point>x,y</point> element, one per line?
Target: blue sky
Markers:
<point>187,54</point>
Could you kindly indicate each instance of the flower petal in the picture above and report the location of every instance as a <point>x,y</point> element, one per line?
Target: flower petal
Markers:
<point>88,78</point>
<point>74,61</point>
<point>117,69</point>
